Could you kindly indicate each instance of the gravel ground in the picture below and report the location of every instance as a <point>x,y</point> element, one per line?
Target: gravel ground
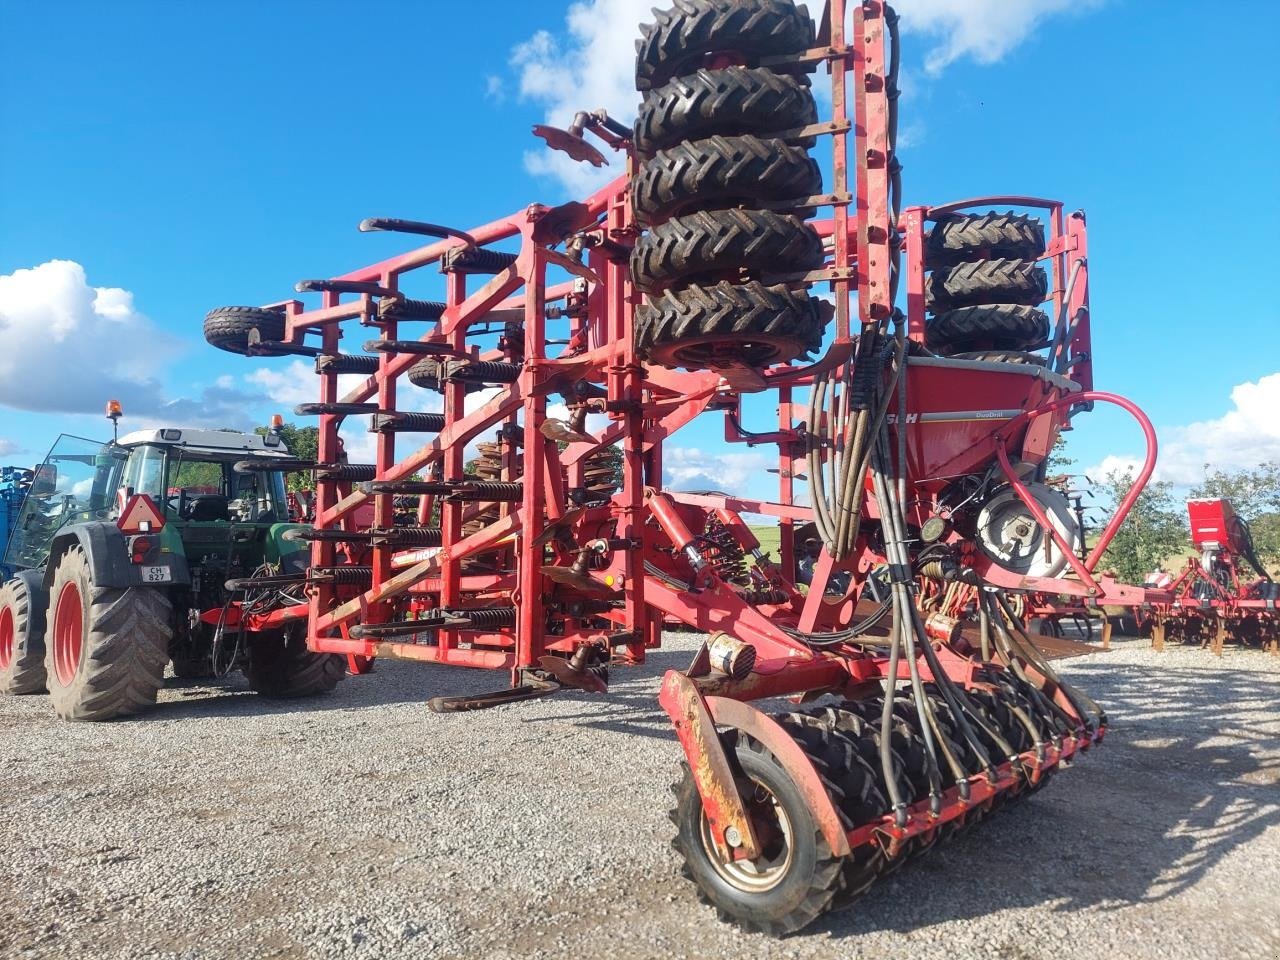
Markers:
<point>361,825</point>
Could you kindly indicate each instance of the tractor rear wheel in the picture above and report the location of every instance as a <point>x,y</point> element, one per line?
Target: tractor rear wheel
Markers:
<point>228,328</point>
<point>690,32</point>
<point>727,102</point>
<point>796,875</point>
<point>987,281</point>
<point>105,648</point>
<point>963,237</point>
<point>21,636</point>
<point>1006,326</point>
<point>723,172</point>
<point>281,667</point>
<point>703,328</point>
<point>723,245</point>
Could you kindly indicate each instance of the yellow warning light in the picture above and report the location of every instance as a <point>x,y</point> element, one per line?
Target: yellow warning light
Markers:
<point>277,421</point>
<point>114,410</point>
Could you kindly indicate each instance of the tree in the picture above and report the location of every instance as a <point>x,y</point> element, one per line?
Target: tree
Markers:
<point>1153,531</point>
<point>1255,497</point>
<point>303,443</point>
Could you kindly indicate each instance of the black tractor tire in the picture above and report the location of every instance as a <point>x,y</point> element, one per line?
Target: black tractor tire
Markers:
<point>682,36</point>
<point>712,245</point>
<point>1003,356</point>
<point>105,647</point>
<point>745,323</point>
<point>963,237</point>
<point>281,667</point>
<point>1003,326</point>
<point>22,610</point>
<point>723,172</point>
<point>986,281</point>
<point>228,328</point>
<point>729,102</point>
<point>807,881</point>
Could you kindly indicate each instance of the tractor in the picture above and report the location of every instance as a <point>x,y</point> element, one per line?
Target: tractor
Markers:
<point>127,556</point>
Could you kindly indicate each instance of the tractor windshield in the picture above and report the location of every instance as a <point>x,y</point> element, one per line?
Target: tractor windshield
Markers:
<point>202,486</point>
<point>76,482</point>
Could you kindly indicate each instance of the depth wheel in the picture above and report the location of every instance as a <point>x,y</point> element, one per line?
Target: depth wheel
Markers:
<point>691,32</point>
<point>796,875</point>
<point>228,328</point>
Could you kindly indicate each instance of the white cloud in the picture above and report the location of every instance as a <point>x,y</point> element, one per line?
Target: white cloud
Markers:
<point>688,468</point>
<point>69,347</point>
<point>495,88</point>
<point>592,67</point>
<point>985,30</point>
<point>8,447</point>
<point>1246,435</point>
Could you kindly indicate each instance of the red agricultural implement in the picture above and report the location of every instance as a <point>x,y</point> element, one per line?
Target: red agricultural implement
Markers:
<point>1214,599</point>
<point>673,294</point>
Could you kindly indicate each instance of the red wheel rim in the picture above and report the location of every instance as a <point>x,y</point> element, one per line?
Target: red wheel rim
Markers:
<point>7,634</point>
<point>719,351</point>
<point>68,634</point>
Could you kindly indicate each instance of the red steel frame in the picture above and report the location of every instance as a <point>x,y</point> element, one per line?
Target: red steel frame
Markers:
<point>1010,416</point>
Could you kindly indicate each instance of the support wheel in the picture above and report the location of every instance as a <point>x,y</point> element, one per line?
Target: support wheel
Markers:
<point>987,281</point>
<point>22,609</point>
<point>796,875</point>
<point>228,328</point>
<point>962,237</point>
<point>1004,326</point>
<point>281,667</point>
<point>105,648</point>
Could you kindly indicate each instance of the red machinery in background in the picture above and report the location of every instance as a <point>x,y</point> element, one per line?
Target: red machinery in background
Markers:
<point>601,329</point>
<point>1213,599</point>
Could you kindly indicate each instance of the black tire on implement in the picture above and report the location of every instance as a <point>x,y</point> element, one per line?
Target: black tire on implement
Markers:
<point>986,281</point>
<point>426,374</point>
<point>105,647</point>
<point>729,102</point>
<point>682,36</point>
<point>803,875</point>
<point>1002,326</point>
<point>723,244</point>
<point>723,172</point>
<point>963,237</point>
<point>1003,356</point>
<point>22,610</point>
<point>228,328</point>
<point>702,328</point>
<point>281,667</point>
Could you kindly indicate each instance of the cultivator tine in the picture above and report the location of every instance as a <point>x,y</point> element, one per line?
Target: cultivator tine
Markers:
<point>353,472</point>
<point>562,432</point>
<point>346,363</point>
<point>417,227</point>
<point>256,346</point>
<point>487,491</point>
<point>312,535</point>
<point>272,464</point>
<point>582,671</point>
<point>386,422</point>
<point>426,488</point>
<point>529,690</point>
<point>341,409</point>
<point>421,348</point>
<point>344,286</point>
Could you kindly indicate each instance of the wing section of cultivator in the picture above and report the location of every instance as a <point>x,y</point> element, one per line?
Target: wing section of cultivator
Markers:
<point>1224,595</point>
<point>511,513</point>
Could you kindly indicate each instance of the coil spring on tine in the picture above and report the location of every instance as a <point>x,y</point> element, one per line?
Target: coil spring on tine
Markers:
<point>494,490</point>
<point>352,575</point>
<point>488,618</point>
<point>483,371</point>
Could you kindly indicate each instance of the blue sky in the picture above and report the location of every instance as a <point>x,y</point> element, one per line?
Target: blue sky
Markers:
<point>192,155</point>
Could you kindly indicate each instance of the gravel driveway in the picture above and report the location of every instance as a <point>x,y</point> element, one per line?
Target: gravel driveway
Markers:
<point>361,825</point>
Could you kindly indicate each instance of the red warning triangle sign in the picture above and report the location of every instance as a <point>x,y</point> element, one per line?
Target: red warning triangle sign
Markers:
<point>140,515</point>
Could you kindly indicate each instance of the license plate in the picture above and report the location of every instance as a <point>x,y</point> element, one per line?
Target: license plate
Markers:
<point>156,575</point>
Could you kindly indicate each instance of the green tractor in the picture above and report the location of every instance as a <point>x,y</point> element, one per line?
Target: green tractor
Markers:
<point>123,554</point>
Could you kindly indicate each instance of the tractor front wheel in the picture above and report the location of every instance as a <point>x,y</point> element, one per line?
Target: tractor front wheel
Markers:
<point>21,636</point>
<point>105,648</point>
<point>281,666</point>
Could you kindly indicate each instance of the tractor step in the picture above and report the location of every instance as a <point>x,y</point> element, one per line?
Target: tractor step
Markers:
<point>407,423</point>
<point>395,308</point>
<point>346,363</point>
<point>342,409</point>
<point>481,371</point>
<point>354,472</point>
<point>475,260</point>
<point>421,348</point>
<point>272,464</point>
